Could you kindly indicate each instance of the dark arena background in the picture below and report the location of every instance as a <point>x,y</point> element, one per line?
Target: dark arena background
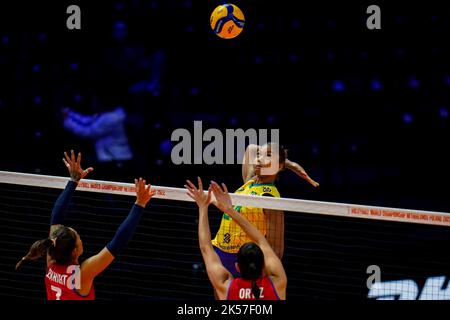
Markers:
<point>365,112</point>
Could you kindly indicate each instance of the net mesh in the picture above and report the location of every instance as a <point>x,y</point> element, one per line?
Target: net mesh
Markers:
<point>325,257</point>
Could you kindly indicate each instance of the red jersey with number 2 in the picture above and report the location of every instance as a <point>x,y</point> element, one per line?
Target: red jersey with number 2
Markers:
<point>60,283</point>
<point>241,289</point>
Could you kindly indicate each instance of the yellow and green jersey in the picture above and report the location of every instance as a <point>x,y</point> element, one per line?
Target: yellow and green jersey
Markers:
<point>230,236</point>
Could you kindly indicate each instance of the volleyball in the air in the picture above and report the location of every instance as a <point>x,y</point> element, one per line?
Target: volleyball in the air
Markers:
<point>227,21</point>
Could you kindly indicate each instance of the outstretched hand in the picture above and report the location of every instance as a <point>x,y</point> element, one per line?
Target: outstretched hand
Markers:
<point>311,181</point>
<point>298,169</point>
<point>203,200</point>
<point>143,192</point>
<point>223,199</point>
<point>302,173</point>
<point>74,166</point>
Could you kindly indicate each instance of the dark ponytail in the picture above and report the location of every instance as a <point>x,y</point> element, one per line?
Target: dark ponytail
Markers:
<point>250,259</point>
<point>255,289</point>
<point>59,246</point>
<point>37,251</point>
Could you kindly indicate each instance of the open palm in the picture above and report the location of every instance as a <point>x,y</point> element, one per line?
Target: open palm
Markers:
<point>74,166</point>
<point>203,200</point>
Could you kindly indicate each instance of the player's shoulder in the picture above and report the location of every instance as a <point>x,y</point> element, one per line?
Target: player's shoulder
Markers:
<point>247,183</point>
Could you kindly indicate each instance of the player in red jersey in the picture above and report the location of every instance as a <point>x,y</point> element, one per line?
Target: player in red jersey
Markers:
<point>262,273</point>
<point>65,278</point>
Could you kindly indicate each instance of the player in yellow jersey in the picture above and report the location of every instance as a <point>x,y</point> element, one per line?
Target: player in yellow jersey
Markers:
<point>257,181</point>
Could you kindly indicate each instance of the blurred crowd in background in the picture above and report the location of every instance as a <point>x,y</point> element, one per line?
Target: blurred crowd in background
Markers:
<point>365,112</point>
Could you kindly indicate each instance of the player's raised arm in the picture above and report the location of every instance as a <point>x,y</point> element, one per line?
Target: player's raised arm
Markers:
<point>249,161</point>
<point>217,273</point>
<point>76,173</point>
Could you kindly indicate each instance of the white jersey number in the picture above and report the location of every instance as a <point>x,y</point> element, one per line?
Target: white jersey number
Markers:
<point>58,292</point>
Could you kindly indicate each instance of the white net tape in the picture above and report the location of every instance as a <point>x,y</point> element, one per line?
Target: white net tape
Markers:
<point>286,204</point>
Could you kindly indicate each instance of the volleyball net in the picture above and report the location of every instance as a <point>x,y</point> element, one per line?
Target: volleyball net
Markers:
<point>332,250</point>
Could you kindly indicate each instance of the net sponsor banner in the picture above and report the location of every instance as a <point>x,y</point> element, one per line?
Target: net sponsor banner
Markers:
<point>400,215</point>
